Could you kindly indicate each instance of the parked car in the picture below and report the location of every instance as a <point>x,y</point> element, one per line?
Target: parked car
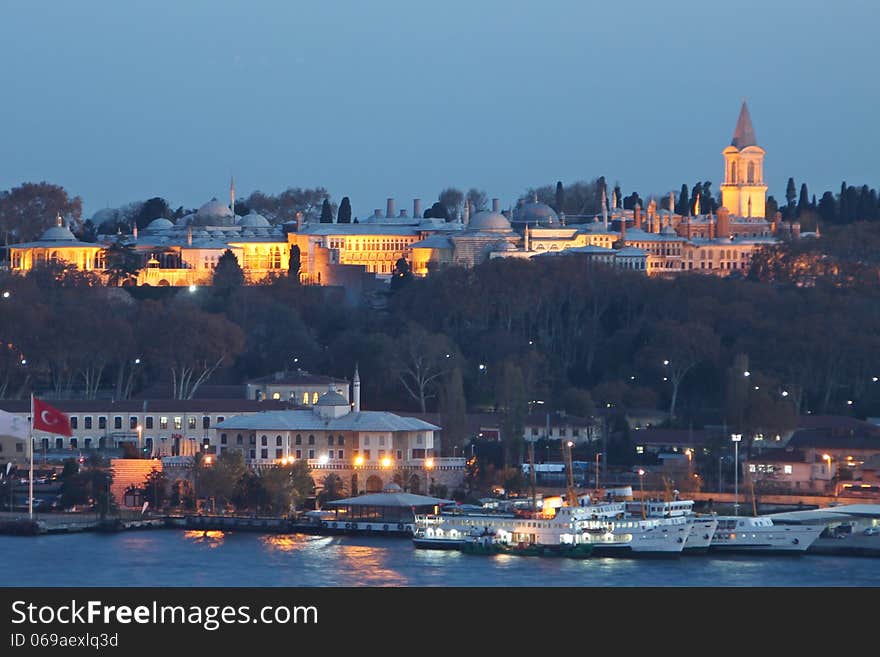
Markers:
<point>871,531</point>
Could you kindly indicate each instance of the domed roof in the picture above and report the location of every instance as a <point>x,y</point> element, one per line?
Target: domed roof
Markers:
<point>255,220</point>
<point>332,398</point>
<point>505,246</point>
<point>186,220</point>
<point>160,224</point>
<point>536,213</point>
<point>391,487</point>
<point>57,234</point>
<point>488,221</point>
<point>214,213</point>
<point>104,214</point>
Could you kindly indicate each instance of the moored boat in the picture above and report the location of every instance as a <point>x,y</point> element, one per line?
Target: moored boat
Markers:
<point>759,534</point>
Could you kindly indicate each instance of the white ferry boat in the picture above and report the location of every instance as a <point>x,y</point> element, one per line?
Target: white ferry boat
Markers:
<point>759,534</point>
<point>702,528</point>
<point>605,526</point>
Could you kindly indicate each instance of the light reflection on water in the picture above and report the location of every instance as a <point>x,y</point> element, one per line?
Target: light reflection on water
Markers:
<point>214,558</point>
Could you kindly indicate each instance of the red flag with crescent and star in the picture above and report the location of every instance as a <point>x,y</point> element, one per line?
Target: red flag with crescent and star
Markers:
<point>48,418</point>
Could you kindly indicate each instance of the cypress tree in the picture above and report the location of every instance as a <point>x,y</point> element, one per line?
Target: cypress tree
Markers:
<point>804,200</point>
<point>344,214</point>
<point>683,201</point>
<point>790,193</point>
<point>295,263</point>
<point>619,195</point>
<point>560,197</point>
<point>326,212</point>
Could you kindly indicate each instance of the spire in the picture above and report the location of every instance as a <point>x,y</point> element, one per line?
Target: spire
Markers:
<point>604,209</point>
<point>232,194</point>
<point>744,134</point>
<point>58,220</point>
<point>356,390</point>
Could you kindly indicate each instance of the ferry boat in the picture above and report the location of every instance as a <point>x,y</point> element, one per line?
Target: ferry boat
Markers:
<point>606,527</point>
<point>759,534</point>
<point>702,528</point>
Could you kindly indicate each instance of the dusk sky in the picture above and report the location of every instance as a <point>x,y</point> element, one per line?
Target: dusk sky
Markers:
<point>122,101</point>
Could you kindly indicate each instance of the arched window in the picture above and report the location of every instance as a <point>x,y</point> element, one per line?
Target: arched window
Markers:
<point>340,440</point>
<point>733,172</point>
<point>278,441</point>
<point>750,172</point>
<point>276,258</point>
<point>299,439</point>
<point>239,440</point>
<point>264,440</point>
<point>330,440</point>
<point>311,439</point>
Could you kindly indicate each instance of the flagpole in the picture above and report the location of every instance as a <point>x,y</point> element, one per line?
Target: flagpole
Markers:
<point>31,468</point>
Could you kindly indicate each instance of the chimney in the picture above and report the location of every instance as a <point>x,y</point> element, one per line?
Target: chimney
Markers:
<point>389,208</point>
<point>527,240</point>
<point>189,235</point>
<point>622,227</point>
<point>466,219</point>
<point>377,213</point>
<point>299,220</point>
<point>403,214</point>
<point>417,208</point>
<point>723,226</point>
<point>795,230</point>
<point>637,214</point>
<point>496,205</point>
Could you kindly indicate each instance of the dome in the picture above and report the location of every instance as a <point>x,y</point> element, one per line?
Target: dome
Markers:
<point>214,213</point>
<point>104,214</point>
<point>332,398</point>
<point>254,220</point>
<point>536,213</point>
<point>186,220</point>
<point>505,246</point>
<point>489,222</point>
<point>160,224</point>
<point>57,234</point>
<point>391,487</point>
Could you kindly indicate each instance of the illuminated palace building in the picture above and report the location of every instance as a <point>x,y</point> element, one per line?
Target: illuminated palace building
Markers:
<point>651,240</point>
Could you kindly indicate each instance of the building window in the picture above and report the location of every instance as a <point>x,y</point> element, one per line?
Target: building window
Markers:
<point>178,422</point>
<point>252,439</point>
<point>315,394</point>
<point>117,422</point>
<point>341,454</point>
<point>220,418</point>
<point>264,440</point>
<point>640,449</point>
<point>299,439</point>
<point>191,422</point>
<point>279,453</point>
<point>264,453</point>
<point>381,440</point>
<point>73,422</point>
<point>206,421</point>
<point>102,422</point>
<point>276,396</point>
<point>222,438</point>
<point>87,443</point>
<point>367,455</point>
<point>366,441</point>
<point>59,443</point>
<point>73,443</point>
<point>299,453</point>
<point>311,439</point>
<point>239,439</point>
<point>149,421</point>
<point>340,440</point>
<point>305,399</point>
<point>420,439</point>
<point>87,421</point>
<point>163,422</point>
<point>311,453</point>
<point>399,454</point>
<point>381,453</point>
<point>786,469</point>
<point>278,441</point>
<point>253,454</point>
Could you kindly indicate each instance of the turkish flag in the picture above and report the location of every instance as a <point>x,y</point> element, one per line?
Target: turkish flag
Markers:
<point>49,418</point>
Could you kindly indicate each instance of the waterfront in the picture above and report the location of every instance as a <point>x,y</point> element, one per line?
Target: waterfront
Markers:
<point>189,558</point>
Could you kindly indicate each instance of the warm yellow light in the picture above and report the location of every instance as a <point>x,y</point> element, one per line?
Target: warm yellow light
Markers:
<point>641,472</point>
<point>208,460</point>
<point>138,427</point>
<point>570,444</point>
<point>429,463</point>
<point>826,457</point>
<point>358,460</point>
<point>386,462</point>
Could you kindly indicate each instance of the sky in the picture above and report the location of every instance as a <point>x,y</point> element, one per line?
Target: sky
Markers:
<point>123,101</point>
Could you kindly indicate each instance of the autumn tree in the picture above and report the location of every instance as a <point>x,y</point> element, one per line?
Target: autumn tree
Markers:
<point>453,408</point>
<point>28,210</point>
<point>478,199</point>
<point>420,362</point>
<point>451,198</point>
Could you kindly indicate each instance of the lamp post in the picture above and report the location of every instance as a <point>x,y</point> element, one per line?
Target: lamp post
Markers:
<point>140,430</point>
<point>597,470</point>
<point>827,458</point>
<point>736,438</point>
<point>429,465</point>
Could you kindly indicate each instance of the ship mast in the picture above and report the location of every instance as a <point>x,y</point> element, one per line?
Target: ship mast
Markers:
<point>571,498</point>
<point>532,475</point>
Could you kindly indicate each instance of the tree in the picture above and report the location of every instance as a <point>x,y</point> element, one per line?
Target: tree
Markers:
<point>803,201</point>
<point>326,212</point>
<point>402,274</point>
<point>28,210</point>
<point>453,409</point>
<point>283,207</point>
<point>295,263</point>
<point>332,488</point>
<point>452,199</point>
<point>828,208</point>
<point>155,489</point>
<point>344,216</point>
<point>153,208</point>
<point>220,478</point>
<point>228,274</point>
<point>437,211</point>
<point>618,194</point>
<point>122,263</point>
<point>681,207</point>
<point>188,343</point>
<point>511,399</point>
<point>420,361</point>
<point>478,199</point>
<point>790,195</point>
<point>771,207</point>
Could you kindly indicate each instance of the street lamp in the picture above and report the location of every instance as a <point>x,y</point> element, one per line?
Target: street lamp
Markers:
<point>827,458</point>
<point>736,438</point>
<point>140,430</point>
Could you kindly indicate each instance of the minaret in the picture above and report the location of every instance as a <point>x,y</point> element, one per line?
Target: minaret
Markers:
<point>671,207</point>
<point>526,235</point>
<point>613,200</point>
<point>232,194</point>
<point>466,215</point>
<point>356,390</point>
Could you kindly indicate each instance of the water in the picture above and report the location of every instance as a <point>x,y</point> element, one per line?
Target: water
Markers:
<point>179,558</point>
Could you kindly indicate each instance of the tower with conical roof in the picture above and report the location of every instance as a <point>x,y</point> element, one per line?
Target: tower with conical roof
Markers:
<point>743,184</point>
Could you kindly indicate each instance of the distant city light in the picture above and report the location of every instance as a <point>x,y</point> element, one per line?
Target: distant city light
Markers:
<point>875,379</point>
<point>849,402</point>
<point>632,378</point>
<point>665,378</point>
<point>358,460</point>
<point>386,462</point>
<point>192,288</point>
<point>6,294</point>
<point>757,387</point>
<point>785,393</point>
<point>666,362</point>
<point>747,373</point>
<point>530,341</point>
<point>137,361</point>
<point>323,459</point>
<point>482,367</point>
<point>429,463</point>
<point>24,361</point>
